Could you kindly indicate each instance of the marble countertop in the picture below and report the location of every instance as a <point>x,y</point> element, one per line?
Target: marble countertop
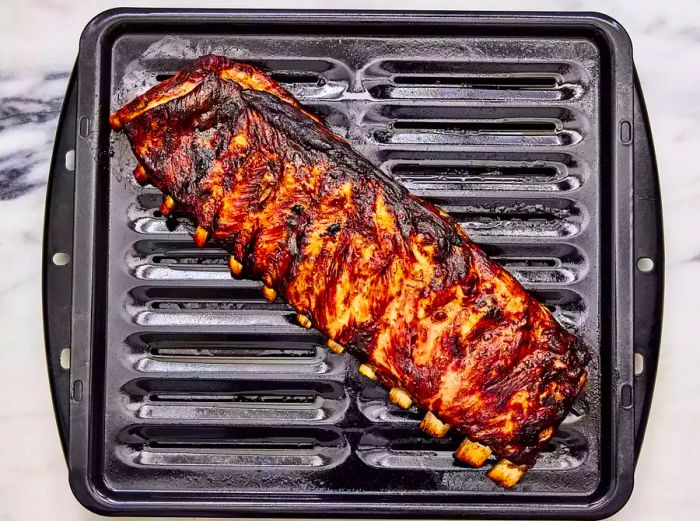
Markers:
<point>38,44</point>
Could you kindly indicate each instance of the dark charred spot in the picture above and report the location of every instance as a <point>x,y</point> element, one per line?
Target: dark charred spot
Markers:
<point>298,209</point>
<point>171,223</point>
<point>219,145</point>
<point>530,434</point>
<point>494,314</point>
<point>558,408</point>
<point>439,316</point>
<point>547,376</point>
<point>334,228</point>
<point>273,165</point>
<point>456,240</point>
<point>526,318</point>
<point>214,221</point>
<point>443,246</point>
<point>456,350</point>
<point>429,230</point>
<point>361,337</point>
<point>502,399</point>
<point>202,161</point>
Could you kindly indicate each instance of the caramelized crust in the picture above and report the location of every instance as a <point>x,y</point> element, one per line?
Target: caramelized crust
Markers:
<point>390,278</point>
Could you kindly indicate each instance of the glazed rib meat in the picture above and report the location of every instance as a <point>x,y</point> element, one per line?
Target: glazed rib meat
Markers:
<point>387,277</point>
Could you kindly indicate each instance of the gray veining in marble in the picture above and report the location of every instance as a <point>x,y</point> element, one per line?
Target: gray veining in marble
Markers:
<point>28,111</point>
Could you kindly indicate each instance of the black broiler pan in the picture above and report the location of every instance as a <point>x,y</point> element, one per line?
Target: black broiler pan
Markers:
<point>189,394</point>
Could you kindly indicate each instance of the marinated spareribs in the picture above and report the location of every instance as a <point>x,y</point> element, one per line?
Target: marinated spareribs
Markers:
<point>385,276</point>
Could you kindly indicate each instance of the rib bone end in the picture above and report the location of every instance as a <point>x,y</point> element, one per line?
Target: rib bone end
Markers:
<point>368,371</point>
<point>546,434</point>
<point>235,266</point>
<point>304,321</point>
<point>399,397</point>
<point>506,474</point>
<point>434,426</point>
<point>200,236</point>
<point>140,175</point>
<point>335,346</point>
<point>472,453</point>
<point>269,293</point>
<point>167,206</point>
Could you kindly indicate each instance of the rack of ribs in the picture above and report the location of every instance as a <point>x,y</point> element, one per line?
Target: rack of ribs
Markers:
<point>385,276</point>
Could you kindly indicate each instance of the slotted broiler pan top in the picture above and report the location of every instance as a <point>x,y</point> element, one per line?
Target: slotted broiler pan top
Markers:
<point>190,394</point>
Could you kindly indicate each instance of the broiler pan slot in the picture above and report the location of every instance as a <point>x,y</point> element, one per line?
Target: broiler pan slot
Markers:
<point>406,448</point>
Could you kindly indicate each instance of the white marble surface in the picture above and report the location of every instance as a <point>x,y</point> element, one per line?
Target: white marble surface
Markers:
<point>38,44</point>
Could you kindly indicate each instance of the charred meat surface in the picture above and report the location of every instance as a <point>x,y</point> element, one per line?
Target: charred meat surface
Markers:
<point>385,276</point>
